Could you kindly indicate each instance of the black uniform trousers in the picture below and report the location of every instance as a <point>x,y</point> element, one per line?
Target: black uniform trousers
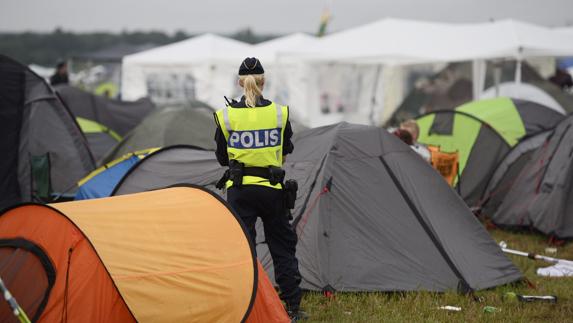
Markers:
<point>252,201</point>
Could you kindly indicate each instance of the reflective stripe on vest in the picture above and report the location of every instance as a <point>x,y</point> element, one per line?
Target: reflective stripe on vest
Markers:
<point>254,136</point>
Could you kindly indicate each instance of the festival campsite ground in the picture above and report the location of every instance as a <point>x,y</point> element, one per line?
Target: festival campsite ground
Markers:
<point>423,306</point>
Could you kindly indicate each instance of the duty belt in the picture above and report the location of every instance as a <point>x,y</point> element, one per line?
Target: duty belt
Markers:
<point>236,171</point>
<point>257,171</point>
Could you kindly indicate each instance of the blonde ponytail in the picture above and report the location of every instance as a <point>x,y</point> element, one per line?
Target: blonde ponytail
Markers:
<point>253,88</point>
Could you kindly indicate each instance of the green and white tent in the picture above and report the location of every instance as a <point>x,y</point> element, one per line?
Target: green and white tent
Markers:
<point>482,133</point>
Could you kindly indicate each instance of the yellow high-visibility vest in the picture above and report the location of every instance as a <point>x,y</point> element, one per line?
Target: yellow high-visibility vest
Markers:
<point>254,137</point>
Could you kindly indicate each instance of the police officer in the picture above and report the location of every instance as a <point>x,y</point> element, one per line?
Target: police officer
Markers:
<point>253,136</point>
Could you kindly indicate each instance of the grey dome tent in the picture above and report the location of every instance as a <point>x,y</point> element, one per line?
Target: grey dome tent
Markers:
<point>370,215</point>
<point>373,216</point>
<point>533,186</point>
<point>171,165</point>
<point>182,125</point>
<point>103,121</point>
<point>119,116</point>
<point>508,170</point>
<point>43,149</point>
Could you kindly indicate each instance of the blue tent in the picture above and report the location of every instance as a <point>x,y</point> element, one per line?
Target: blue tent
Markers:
<point>565,63</point>
<point>102,181</point>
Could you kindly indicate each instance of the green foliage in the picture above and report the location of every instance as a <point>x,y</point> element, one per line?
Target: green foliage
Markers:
<point>248,36</point>
<point>423,306</point>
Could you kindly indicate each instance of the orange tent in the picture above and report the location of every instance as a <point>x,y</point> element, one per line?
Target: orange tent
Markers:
<point>173,255</point>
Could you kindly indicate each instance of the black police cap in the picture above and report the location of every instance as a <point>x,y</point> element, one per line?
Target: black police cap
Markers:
<point>251,66</point>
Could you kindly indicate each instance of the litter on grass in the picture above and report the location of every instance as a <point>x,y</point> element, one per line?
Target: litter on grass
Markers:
<point>557,270</point>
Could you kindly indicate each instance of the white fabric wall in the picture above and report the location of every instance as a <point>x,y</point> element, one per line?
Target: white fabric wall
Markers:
<point>202,68</point>
<point>523,91</point>
<point>353,75</point>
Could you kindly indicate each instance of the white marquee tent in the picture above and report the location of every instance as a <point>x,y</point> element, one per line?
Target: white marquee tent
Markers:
<point>200,68</point>
<point>397,41</point>
<point>360,67</point>
<point>282,78</point>
<point>355,75</point>
<point>269,50</point>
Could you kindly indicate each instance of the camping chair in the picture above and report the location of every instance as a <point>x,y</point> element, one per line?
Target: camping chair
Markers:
<point>40,178</point>
<point>446,163</point>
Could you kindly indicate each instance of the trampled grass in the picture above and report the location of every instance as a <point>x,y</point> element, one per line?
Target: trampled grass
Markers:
<point>423,306</point>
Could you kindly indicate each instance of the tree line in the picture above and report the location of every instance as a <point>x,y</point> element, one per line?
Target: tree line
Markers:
<point>49,48</point>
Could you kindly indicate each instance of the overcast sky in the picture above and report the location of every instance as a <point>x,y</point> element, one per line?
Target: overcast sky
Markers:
<point>263,16</point>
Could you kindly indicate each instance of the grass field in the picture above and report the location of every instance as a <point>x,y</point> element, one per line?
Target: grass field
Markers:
<point>423,306</point>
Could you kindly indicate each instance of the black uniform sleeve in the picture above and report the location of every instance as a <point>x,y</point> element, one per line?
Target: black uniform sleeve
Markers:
<point>221,152</point>
<point>288,146</point>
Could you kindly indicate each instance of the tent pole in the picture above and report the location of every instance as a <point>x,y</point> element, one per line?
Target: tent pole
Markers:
<point>478,77</point>
<point>374,92</point>
<point>497,77</point>
<point>518,71</point>
<point>16,309</point>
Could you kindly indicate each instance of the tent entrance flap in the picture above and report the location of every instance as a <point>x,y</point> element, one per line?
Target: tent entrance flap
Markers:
<point>463,286</point>
<point>29,275</point>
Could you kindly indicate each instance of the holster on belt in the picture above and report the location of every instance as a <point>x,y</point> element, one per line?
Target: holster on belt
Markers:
<point>221,183</point>
<point>290,189</point>
<point>234,173</point>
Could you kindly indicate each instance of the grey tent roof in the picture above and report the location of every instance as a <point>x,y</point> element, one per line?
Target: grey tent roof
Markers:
<point>119,116</point>
<point>501,181</point>
<point>100,143</point>
<point>171,165</point>
<point>370,215</point>
<point>533,187</point>
<point>36,126</point>
<point>186,125</point>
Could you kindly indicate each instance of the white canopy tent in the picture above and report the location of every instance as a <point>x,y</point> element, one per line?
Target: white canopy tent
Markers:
<point>372,54</point>
<point>268,51</point>
<point>523,91</point>
<point>568,29</point>
<point>396,41</point>
<point>200,68</point>
<point>282,81</point>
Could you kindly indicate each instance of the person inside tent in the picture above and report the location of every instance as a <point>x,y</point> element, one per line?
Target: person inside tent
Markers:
<point>61,74</point>
<point>253,136</point>
<point>403,135</point>
<point>414,130</point>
